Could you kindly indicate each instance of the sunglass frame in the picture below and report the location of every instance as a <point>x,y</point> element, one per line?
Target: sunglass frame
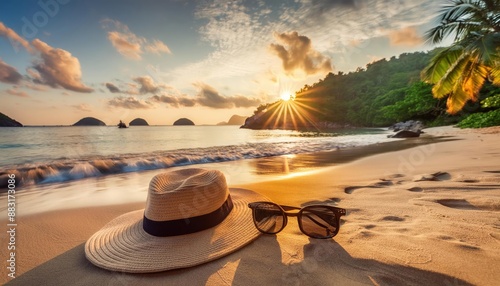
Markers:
<point>285,214</point>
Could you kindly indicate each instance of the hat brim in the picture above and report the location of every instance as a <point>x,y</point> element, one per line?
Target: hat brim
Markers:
<point>123,245</point>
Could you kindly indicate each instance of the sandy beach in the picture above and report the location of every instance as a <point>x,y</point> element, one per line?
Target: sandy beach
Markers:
<point>426,215</point>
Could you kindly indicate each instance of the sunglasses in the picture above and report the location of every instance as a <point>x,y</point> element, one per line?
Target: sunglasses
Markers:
<point>316,221</point>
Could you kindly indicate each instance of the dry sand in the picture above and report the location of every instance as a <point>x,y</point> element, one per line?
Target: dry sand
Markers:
<point>429,215</point>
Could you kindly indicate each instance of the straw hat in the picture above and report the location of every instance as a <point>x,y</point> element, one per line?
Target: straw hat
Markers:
<point>190,218</point>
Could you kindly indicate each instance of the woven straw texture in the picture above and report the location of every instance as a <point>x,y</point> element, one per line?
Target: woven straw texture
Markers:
<point>185,193</point>
<point>123,245</point>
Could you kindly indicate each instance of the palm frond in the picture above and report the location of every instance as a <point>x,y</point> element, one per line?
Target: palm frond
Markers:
<point>465,82</point>
<point>495,74</point>
<point>456,102</point>
<point>486,45</point>
<point>441,63</point>
<point>473,78</point>
<point>460,17</point>
<point>453,76</point>
<point>460,71</point>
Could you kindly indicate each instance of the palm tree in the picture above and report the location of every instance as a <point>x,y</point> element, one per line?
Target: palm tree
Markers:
<point>459,71</point>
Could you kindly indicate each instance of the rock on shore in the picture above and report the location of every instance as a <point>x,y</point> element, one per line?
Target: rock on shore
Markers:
<point>407,129</point>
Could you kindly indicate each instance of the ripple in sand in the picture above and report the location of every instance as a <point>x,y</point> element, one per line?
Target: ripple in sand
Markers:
<point>415,189</point>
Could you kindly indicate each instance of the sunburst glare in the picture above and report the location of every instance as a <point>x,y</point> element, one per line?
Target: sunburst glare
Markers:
<point>292,111</point>
<point>286,96</point>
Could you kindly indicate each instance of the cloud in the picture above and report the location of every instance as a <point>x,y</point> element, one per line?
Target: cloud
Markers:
<point>168,99</point>
<point>147,84</point>
<point>158,47</point>
<point>9,74</point>
<point>317,10</point>
<point>126,44</point>
<point>130,103</point>
<point>129,44</point>
<point>58,67</point>
<point>210,97</point>
<point>405,37</point>
<point>36,87</point>
<point>82,107</point>
<point>17,92</point>
<point>14,38</point>
<point>300,54</point>
<point>112,88</point>
<point>140,85</point>
<point>174,101</point>
<point>187,102</point>
<point>207,96</point>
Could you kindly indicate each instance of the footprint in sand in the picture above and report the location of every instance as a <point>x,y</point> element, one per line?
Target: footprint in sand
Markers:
<point>380,184</point>
<point>469,181</point>
<point>478,204</point>
<point>327,201</point>
<point>494,172</point>
<point>438,176</point>
<point>457,204</point>
<point>351,189</point>
<point>392,218</point>
<point>495,236</point>
<point>458,243</point>
<point>415,189</point>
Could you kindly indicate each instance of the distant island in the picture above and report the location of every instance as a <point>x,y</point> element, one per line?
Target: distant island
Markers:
<point>89,121</point>
<point>234,120</point>
<point>138,122</point>
<point>6,121</point>
<point>183,121</point>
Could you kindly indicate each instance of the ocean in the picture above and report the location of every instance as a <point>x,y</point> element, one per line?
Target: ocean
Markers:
<point>112,165</point>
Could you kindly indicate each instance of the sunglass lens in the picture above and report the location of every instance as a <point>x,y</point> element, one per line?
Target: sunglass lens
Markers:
<point>319,222</point>
<point>268,218</point>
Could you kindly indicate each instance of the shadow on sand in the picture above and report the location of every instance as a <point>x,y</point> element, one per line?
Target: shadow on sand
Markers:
<point>325,262</point>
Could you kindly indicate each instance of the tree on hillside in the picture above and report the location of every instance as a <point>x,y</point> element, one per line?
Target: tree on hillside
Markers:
<point>459,71</point>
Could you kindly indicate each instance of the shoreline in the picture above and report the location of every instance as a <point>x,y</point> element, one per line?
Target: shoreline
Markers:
<point>97,159</point>
<point>122,188</point>
<point>422,215</point>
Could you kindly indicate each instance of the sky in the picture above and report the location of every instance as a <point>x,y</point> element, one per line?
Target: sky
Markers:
<point>62,60</point>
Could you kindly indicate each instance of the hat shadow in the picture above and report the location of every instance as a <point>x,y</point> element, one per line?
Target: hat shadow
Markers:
<point>72,268</point>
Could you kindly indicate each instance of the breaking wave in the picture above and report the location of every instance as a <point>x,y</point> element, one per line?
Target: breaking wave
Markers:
<point>94,166</point>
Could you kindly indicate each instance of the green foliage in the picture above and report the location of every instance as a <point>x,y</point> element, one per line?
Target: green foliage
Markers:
<point>358,98</point>
<point>417,102</point>
<point>479,120</point>
<point>491,102</point>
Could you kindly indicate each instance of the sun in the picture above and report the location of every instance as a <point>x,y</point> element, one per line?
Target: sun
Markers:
<point>286,96</point>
